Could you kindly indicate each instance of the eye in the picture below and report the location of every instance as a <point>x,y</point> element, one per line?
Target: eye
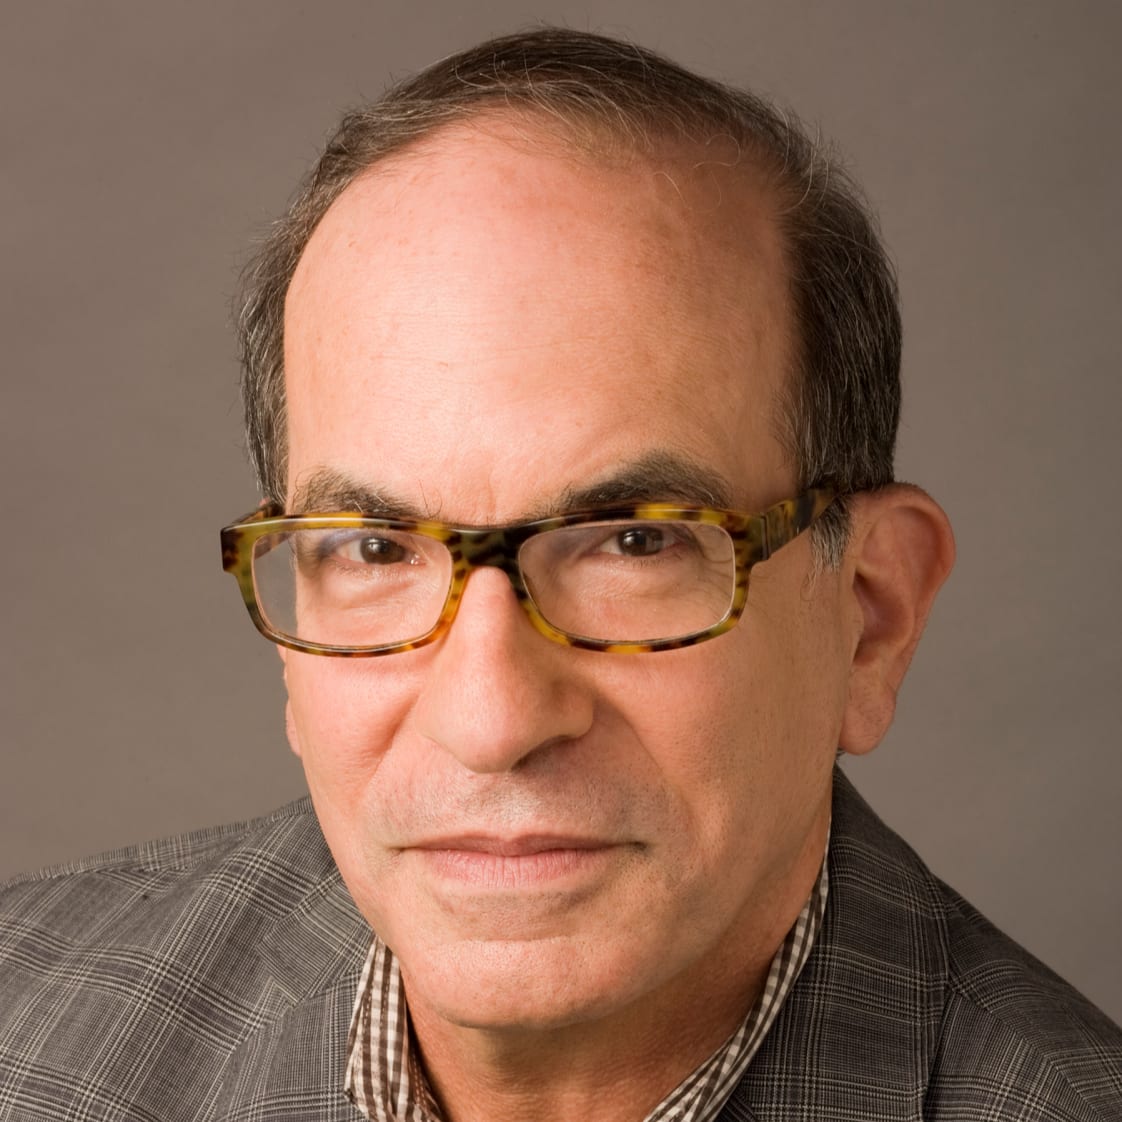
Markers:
<point>374,551</point>
<point>364,549</point>
<point>637,541</point>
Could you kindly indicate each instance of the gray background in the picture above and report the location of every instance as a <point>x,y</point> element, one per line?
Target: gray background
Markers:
<point>145,144</point>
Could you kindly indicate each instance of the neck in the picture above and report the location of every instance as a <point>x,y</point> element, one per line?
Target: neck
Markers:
<point>615,1069</point>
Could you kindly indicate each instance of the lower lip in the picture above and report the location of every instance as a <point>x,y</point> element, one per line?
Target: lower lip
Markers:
<point>505,873</point>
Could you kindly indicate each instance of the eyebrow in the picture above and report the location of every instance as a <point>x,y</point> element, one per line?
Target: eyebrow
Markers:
<point>654,477</point>
<point>326,491</point>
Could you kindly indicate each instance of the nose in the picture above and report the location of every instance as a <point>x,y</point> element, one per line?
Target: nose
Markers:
<point>496,691</point>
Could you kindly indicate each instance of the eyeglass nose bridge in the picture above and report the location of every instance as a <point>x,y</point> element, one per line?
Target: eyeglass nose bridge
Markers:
<point>472,550</point>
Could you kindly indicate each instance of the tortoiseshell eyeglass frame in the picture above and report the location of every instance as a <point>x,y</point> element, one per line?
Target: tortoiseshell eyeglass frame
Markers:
<point>755,537</point>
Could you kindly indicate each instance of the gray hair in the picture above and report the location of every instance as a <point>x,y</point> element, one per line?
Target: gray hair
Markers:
<point>841,405</point>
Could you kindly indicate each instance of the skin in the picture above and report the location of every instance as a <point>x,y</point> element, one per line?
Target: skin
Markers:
<point>584,862</point>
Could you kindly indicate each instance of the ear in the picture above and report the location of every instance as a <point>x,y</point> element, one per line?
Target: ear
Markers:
<point>901,550</point>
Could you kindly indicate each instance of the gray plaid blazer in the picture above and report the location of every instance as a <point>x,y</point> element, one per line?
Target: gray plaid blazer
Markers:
<point>211,977</point>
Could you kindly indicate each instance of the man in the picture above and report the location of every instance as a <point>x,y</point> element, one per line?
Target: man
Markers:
<point>572,384</point>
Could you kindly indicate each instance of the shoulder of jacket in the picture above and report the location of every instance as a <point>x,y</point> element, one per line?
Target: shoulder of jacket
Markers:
<point>1016,1028</point>
<point>175,852</point>
<point>264,865</point>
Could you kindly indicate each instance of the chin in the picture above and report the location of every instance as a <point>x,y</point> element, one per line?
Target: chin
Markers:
<point>509,985</point>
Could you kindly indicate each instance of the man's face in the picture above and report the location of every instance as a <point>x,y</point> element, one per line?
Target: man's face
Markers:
<point>547,836</point>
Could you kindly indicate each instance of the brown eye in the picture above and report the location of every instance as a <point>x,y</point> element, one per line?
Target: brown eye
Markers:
<point>640,541</point>
<point>380,551</point>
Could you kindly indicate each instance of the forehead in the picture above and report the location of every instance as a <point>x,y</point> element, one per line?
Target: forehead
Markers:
<point>494,312</point>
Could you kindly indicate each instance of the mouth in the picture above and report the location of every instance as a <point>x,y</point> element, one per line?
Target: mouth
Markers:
<point>484,862</point>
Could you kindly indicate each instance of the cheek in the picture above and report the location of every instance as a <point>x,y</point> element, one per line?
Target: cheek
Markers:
<point>686,724</point>
<point>796,642</point>
<point>344,715</point>
<point>745,732</point>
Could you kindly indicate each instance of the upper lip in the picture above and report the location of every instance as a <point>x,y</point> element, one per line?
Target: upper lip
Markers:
<point>522,845</point>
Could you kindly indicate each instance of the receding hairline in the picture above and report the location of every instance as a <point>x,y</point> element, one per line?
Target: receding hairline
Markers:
<point>587,141</point>
<point>528,130</point>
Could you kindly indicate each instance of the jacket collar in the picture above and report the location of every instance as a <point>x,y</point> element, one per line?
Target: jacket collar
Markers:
<point>289,1065</point>
<point>323,937</point>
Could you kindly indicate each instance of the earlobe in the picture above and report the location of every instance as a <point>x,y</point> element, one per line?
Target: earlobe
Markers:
<point>901,551</point>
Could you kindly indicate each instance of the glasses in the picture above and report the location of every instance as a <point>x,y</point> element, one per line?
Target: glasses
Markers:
<point>649,577</point>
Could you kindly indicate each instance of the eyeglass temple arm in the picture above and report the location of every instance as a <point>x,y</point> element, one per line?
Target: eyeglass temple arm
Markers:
<point>786,520</point>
